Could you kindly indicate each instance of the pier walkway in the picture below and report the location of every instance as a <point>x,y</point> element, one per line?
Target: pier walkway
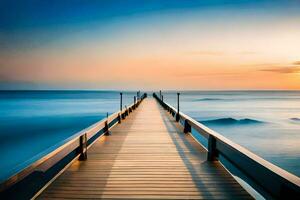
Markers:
<point>147,156</point>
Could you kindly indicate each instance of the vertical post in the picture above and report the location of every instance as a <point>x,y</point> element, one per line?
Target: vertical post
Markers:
<point>177,115</point>
<point>160,94</point>
<point>134,101</point>
<point>187,127</point>
<point>121,106</point>
<point>119,118</point>
<point>212,153</point>
<point>106,127</point>
<point>83,147</point>
<point>121,94</point>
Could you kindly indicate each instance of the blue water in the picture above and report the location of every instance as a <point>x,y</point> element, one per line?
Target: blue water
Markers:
<point>265,122</point>
<point>33,121</point>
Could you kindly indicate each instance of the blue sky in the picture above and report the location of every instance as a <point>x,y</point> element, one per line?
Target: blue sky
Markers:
<point>46,20</point>
<point>42,39</point>
<point>34,14</point>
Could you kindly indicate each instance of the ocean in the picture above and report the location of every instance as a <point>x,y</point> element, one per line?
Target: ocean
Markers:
<point>265,122</point>
<point>31,122</point>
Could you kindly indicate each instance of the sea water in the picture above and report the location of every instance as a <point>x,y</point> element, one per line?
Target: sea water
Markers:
<point>265,122</point>
<point>31,122</point>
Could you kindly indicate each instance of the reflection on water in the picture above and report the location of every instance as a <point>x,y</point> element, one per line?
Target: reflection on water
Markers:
<point>33,121</point>
<point>265,122</point>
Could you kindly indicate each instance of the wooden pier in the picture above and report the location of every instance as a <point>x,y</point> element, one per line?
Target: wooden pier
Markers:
<point>146,156</point>
<point>148,151</point>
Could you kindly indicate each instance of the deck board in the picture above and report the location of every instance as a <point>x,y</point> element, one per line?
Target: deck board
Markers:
<point>146,157</point>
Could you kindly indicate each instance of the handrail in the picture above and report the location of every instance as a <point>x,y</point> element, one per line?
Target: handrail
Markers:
<point>274,180</point>
<point>72,144</point>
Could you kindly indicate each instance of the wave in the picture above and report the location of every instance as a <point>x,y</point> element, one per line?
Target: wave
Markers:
<point>245,99</point>
<point>208,99</point>
<point>295,119</point>
<point>232,121</point>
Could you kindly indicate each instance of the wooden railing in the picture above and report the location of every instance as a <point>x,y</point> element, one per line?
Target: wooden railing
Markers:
<point>33,176</point>
<point>270,179</point>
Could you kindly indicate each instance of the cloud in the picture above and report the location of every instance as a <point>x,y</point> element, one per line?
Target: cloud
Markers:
<point>289,69</point>
<point>218,53</point>
<point>247,53</point>
<point>283,70</point>
<point>199,74</point>
<point>296,63</point>
<point>205,53</point>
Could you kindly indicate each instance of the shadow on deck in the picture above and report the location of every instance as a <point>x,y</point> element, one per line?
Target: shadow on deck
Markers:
<point>147,157</point>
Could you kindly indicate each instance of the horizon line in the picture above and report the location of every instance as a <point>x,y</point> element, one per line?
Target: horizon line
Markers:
<point>155,90</point>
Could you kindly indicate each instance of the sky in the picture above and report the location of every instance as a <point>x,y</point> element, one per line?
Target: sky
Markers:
<point>137,44</point>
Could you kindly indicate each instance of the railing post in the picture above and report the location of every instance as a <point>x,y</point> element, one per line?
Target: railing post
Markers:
<point>121,99</point>
<point>212,153</point>
<point>160,94</point>
<point>134,102</point>
<point>106,127</point>
<point>187,127</point>
<point>138,95</point>
<point>121,106</point>
<point>137,99</point>
<point>83,147</point>
<point>119,118</point>
<point>177,115</point>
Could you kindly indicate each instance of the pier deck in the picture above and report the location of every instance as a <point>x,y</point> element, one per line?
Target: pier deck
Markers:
<point>147,156</point>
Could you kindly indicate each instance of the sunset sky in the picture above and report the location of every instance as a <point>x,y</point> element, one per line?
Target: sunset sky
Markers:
<point>135,44</point>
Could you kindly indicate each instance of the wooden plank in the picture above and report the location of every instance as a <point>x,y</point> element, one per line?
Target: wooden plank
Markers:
<point>146,157</point>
